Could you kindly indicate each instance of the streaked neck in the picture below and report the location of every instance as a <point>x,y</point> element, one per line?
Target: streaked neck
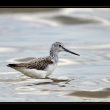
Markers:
<point>54,55</point>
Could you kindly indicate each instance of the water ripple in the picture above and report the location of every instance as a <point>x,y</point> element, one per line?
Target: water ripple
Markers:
<point>7,49</point>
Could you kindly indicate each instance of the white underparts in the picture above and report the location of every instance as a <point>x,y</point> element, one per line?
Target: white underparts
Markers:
<point>34,73</point>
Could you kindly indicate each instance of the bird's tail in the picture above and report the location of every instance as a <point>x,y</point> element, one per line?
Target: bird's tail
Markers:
<point>21,65</point>
<point>12,65</point>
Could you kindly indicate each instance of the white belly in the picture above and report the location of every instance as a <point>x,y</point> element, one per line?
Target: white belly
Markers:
<point>50,69</point>
<point>38,73</point>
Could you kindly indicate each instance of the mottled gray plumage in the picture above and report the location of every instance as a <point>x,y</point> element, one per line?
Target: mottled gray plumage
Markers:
<point>37,63</point>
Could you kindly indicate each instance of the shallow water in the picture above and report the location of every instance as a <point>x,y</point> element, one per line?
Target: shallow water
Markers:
<point>30,33</point>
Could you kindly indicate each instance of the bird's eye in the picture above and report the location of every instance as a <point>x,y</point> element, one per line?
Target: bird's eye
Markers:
<point>59,45</point>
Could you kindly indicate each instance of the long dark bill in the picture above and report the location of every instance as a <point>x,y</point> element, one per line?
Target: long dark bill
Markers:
<point>70,51</point>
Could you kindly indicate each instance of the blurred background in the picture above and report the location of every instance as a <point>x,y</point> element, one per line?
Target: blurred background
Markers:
<point>29,32</point>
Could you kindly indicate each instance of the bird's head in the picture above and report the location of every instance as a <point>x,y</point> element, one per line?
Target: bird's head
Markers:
<point>59,47</point>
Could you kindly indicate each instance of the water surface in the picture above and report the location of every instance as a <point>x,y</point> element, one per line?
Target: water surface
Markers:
<point>30,33</point>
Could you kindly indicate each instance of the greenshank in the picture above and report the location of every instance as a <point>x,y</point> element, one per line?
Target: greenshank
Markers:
<point>41,67</point>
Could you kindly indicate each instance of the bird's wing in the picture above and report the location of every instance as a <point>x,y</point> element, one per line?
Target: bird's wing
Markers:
<point>38,63</point>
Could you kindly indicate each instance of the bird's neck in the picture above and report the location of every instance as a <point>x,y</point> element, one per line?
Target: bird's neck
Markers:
<point>54,55</point>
